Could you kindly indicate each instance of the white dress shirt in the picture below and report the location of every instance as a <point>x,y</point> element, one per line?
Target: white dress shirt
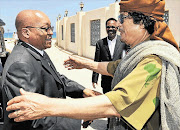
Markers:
<point>111,45</point>
<point>40,51</point>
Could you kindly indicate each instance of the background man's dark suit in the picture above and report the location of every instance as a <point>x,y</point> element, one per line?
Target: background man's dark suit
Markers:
<point>27,69</point>
<point>102,53</point>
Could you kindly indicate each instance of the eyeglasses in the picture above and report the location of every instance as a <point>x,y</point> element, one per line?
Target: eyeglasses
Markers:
<point>113,27</point>
<point>122,17</point>
<point>43,28</point>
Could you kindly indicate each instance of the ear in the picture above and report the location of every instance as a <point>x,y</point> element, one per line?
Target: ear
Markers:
<point>141,25</point>
<point>25,32</point>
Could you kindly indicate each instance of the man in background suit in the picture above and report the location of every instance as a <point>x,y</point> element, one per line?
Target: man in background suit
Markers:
<point>109,48</point>
<point>29,67</point>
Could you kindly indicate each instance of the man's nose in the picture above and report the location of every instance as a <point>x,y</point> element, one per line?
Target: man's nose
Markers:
<point>50,32</point>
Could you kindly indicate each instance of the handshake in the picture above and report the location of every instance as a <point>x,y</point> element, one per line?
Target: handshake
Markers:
<point>85,124</point>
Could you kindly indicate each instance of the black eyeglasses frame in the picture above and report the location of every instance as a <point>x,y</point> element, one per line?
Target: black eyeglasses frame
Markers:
<point>43,28</point>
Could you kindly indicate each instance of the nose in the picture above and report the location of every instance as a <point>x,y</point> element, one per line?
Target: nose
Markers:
<point>50,32</point>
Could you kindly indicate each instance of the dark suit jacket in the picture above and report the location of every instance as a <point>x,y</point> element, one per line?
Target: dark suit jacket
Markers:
<point>102,53</point>
<point>27,69</point>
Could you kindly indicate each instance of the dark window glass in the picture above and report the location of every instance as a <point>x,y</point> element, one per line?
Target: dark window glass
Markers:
<point>62,33</point>
<point>73,32</point>
<point>95,31</point>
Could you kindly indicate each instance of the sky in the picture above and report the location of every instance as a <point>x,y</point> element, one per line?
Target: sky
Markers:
<point>10,8</point>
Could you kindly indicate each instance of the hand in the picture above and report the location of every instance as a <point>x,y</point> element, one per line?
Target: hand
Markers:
<point>94,85</point>
<point>86,123</point>
<point>88,93</point>
<point>28,106</point>
<point>74,63</point>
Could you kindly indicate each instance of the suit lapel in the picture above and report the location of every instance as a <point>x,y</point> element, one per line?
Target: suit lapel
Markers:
<point>44,62</point>
<point>48,65</point>
<point>106,47</point>
<point>49,69</point>
<point>31,50</point>
<point>117,46</point>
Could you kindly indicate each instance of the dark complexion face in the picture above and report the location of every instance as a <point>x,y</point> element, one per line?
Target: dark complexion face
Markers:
<point>111,29</point>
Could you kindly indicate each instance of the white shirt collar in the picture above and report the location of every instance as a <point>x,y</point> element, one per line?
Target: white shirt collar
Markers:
<point>40,51</point>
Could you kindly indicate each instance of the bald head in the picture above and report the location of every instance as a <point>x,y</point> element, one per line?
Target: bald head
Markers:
<point>29,18</point>
<point>32,18</point>
<point>31,28</point>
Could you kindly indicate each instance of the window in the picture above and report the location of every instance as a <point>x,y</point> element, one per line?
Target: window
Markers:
<point>62,33</point>
<point>95,31</point>
<point>73,32</point>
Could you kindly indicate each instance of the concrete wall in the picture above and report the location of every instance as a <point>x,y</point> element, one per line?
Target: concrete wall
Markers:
<point>82,22</point>
<point>174,18</point>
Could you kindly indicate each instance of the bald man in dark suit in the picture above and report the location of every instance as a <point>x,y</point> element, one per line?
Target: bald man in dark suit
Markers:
<point>29,67</point>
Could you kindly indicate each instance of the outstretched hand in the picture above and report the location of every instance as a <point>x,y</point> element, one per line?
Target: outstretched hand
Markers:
<point>74,63</point>
<point>90,93</point>
<point>28,106</point>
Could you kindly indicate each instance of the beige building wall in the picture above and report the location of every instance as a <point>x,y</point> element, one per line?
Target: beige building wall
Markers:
<point>58,34</point>
<point>62,43</point>
<point>174,18</point>
<point>103,14</point>
<point>82,20</point>
<point>71,46</point>
<point>89,50</point>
